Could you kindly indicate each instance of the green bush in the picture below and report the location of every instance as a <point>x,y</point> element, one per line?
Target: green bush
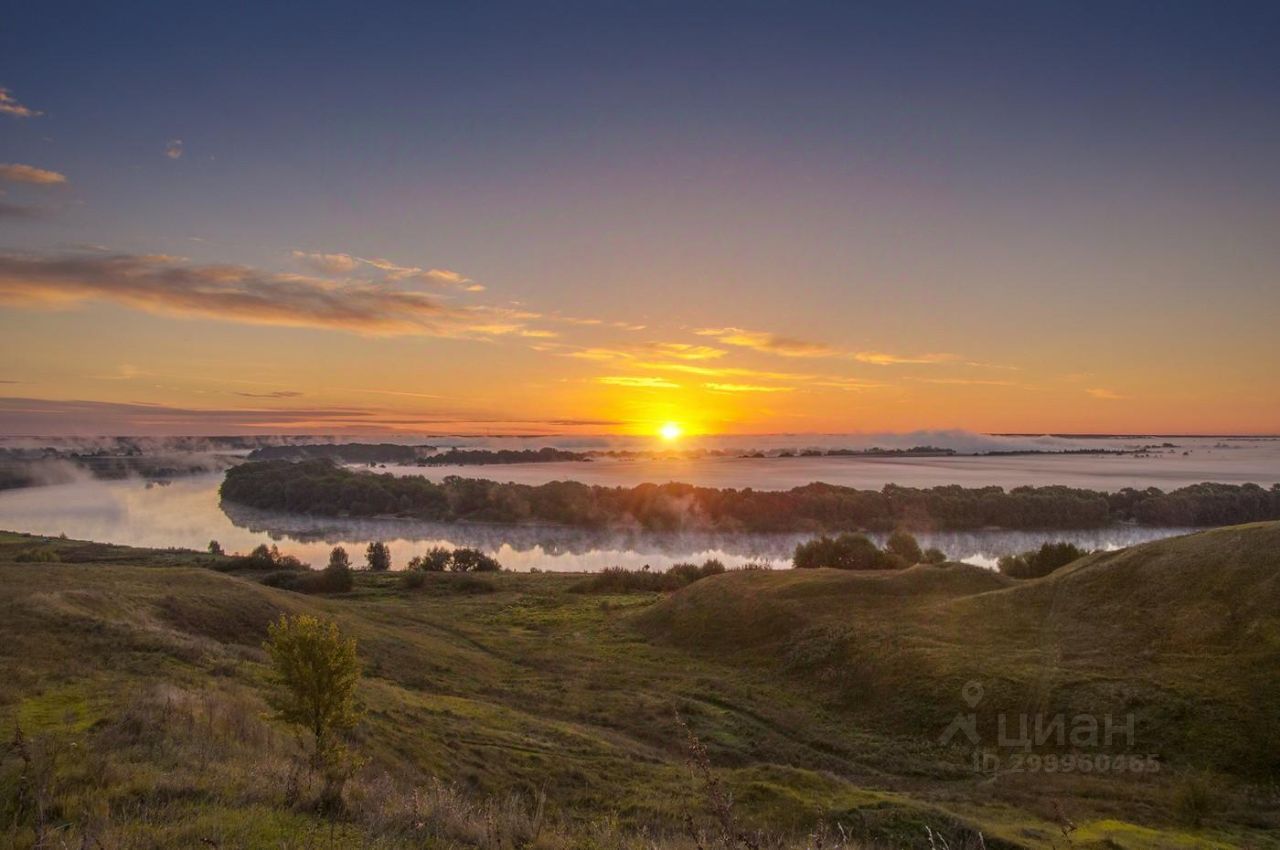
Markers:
<point>904,545</point>
<point>1040,562</point>
<point>461,560</point>
<point>622,580</point>
<point>846,552</point>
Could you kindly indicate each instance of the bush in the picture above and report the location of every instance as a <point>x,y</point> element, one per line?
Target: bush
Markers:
<point>263,557</point>
<point>339,558</point>
<point>1040,562</point>
<point>622,580</point>
<point>934,556</point>
<point>378,556</point>
<point>458,560</point>
<point>846,552</point>
<point>904,545</point>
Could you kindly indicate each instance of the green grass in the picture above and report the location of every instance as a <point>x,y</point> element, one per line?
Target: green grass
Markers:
<point>819,696</point>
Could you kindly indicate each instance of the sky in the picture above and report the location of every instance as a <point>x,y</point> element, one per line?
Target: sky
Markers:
<point>602,217</point>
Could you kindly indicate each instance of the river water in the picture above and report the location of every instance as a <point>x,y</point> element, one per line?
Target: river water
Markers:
<point>188,513</point>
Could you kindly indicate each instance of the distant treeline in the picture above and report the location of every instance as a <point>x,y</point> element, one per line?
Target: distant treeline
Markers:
<point>344,452</point>
<point>322,488</point>
<point>480,457</point>
<point>374,453</point>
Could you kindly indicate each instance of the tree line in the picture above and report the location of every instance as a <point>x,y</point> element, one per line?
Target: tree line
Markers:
<point>322,488</point>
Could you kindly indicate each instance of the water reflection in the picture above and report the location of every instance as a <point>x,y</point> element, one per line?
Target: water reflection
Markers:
<point>187,513</point>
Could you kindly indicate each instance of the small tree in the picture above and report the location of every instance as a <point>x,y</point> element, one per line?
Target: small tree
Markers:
<point>315,672</point>
<point>215,548</point>
<point>339,559</point>
<point>378,556</point>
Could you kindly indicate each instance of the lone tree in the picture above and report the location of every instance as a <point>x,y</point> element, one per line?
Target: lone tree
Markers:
<point>215,548</point>
<point>315,672</point>
<point>339,559</point>
<point>378,556</point>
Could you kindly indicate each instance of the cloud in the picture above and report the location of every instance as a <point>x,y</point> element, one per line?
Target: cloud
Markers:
<point>395,272</point>
<point>745,388</point>
<point>170,286</point>
<point>977,382</point>
<point>9,105</point>
<point>343,264</point>
<point>334,264</point>
<point>786,346</point>
<point>639,382</point>
<point>18,173</point>
<point>95,418</point>
<point>769,342</point>
<point>173,149</point>
<point>683,350</point>
<point>1104,394</point>
<point>880,358</point>
<point>276,394</point>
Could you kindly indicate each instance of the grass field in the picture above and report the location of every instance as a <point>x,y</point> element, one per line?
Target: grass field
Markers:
<point>510,710</point>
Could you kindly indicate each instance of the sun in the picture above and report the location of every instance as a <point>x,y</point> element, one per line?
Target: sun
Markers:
<point>670,432</point>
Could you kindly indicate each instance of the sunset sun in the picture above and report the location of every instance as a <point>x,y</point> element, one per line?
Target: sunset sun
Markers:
<point>670,432</point>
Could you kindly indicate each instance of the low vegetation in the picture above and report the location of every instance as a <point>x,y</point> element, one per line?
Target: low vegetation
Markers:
<point>1040,562</point>
<point>323,488</point>
<point>621,580</point>
<point>771,709</point>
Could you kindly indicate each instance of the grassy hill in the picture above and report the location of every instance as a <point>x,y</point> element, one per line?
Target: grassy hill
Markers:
<point>136,679</point>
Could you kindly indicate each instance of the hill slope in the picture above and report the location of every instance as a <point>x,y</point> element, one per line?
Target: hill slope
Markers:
<point>1182,633</point>
<point>137,676</point>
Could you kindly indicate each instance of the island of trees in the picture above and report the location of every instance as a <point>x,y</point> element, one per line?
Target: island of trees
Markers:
<point>322,488</point>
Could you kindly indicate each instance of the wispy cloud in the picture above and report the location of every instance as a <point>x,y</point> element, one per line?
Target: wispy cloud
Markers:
<point>1104,394</point>
<point>638,382</point>
<point>786,346</point>
<point>168,285</point>
<point>9,105</point>
<point>340,264</point>
<point>276,394</point>
<point>173,149</point>
<point>977,382</point>
<point>15,172</point>
<point>745,388</point>
<point>769,342</point>
<point>683,350</point>
<point>881,358</point>
<point>331,264</point>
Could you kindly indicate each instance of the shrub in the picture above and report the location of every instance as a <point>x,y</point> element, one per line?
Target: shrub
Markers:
<point>933,555</point>
<point>846,552</point>
<point>904,545</point>
<point>378,556</point>
<point>1040,562</point>
<point>462,560</point>
<point>622,580</point>
<point>315,672</point>
<point>339,558</point>
<point>264,557</point>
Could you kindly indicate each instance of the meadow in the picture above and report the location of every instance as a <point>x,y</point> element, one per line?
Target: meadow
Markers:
<point>517,710</point>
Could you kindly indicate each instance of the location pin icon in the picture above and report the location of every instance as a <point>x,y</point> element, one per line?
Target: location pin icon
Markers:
<point>972,693</point>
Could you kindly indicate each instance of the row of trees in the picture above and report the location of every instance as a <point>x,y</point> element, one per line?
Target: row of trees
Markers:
<point>322,488</point>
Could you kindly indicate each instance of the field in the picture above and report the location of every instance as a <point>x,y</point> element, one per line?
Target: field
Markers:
<point>513,710</point>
